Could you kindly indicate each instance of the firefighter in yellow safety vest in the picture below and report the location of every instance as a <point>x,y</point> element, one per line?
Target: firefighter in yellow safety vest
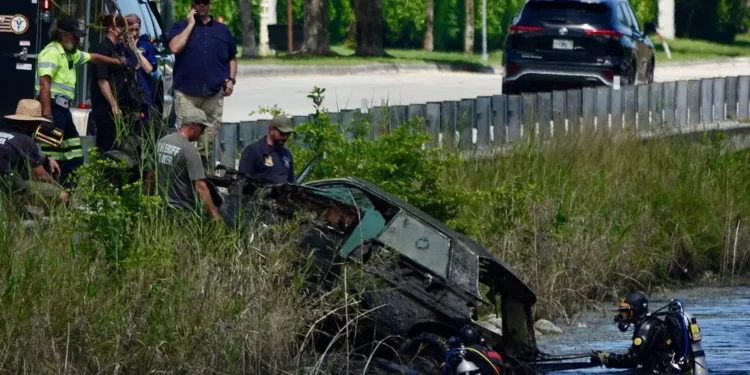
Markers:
<point>55,89</point>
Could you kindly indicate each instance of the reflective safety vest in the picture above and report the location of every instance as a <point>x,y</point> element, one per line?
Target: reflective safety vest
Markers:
<point>61,68</point>
<point>69,149</point>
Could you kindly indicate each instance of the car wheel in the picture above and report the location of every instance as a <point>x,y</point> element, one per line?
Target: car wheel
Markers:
<point>510,89</point>
<point>632,78</point>
<point>651,69</point>
<point>424,352</point>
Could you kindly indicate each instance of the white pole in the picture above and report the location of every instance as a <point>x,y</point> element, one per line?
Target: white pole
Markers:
<point>484,31</point>
<point>666,19</point>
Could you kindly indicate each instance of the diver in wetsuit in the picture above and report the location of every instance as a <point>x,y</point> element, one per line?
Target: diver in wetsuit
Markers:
<point>671,345</point>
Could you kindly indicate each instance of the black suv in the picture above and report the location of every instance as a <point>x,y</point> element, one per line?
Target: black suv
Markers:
<point>576,42</point>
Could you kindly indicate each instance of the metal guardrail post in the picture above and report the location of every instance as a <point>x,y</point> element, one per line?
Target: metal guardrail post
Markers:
<point>483,120</point>
<point>514,118</point>
<point>603,104</point>
<point>707,102</point>
<point>499,128</point>
<point>544,115</point>
<point>573,111</point>
<point>719,102</point>
<point>731,98</point>
<point>432,121</point>
<point>559,108</point>
<point>588,109</point>
<point>743,98</point>
<point>528,115</point>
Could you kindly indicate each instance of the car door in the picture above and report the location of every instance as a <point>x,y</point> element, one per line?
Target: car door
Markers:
<point>19,45</point>
<point>643,49</point>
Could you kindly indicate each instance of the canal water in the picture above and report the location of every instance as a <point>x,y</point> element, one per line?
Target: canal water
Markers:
<point>722,313</point>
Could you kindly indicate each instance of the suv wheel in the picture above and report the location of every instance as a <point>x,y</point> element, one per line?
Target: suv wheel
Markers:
<point>633,75</point>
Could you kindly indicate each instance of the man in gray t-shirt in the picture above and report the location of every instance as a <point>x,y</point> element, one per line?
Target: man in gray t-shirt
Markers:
<point>180,174</point>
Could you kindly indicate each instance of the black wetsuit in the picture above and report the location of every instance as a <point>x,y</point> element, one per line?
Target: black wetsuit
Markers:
<point>653,347</point>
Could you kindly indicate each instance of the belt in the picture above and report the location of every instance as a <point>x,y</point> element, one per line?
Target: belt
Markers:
<point>62,101</point>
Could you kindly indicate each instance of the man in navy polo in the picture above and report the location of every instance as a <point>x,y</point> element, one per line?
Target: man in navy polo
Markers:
<point>267,159</point>
<point>205,66</point>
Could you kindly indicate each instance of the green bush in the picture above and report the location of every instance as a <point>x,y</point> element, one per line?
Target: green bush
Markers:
<point>395,161</point>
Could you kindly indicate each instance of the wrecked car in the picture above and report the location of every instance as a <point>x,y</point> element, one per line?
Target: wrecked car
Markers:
<point>432,282</point>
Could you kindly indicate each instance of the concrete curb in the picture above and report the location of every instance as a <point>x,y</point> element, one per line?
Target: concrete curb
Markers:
<point>729,61</point>
<point>252,70</point>
<point>342,70</point>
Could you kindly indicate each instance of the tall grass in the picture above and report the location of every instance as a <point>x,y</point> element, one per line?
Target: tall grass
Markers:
<point>586,219</point>
<point>123,286</point>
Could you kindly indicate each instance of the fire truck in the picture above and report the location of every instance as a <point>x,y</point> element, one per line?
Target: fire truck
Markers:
<point>24,32</point>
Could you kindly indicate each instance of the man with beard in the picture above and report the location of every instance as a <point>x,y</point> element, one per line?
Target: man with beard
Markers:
<point>56,85</point>
<point>267,159</point>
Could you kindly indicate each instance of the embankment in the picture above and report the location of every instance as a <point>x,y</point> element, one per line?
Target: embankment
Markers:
<point>140,291</point>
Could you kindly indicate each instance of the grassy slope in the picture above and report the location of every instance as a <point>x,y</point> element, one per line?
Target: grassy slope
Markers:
<point>587,220</point>
<point>682,50</point>
<point>577,221</point>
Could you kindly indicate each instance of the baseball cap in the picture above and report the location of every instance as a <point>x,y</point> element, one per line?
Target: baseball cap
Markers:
<point>283,123</point>
<point>71,25</point>
<point>196,116</point>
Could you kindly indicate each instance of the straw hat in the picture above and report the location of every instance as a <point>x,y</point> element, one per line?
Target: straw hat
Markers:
<point>28,110</point>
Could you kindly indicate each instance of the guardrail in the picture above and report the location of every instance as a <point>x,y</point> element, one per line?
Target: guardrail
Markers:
<point>489,122</point>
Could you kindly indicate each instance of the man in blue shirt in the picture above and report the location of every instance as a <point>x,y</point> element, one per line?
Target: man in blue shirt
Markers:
<point>267,159</point>
<point>205,66</point>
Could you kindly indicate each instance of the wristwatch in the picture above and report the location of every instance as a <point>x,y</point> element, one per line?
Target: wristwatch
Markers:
<point>234,81</point>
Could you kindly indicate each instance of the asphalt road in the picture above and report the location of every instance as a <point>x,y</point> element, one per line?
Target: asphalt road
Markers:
<point>348,92</point>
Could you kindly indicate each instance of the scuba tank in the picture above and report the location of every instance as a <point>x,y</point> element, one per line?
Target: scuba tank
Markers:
<point>469,354</point>
<point>687,334</point>
<point>696,348</point>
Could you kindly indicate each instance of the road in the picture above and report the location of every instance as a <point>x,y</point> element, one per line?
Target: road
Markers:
<point>348,92</point>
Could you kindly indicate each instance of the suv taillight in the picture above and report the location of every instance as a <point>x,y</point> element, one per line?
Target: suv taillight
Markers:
<point>518,29</point>
<point>611,34</point>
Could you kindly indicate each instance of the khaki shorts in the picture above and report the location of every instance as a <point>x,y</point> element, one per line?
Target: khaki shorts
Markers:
<point>212,106</point>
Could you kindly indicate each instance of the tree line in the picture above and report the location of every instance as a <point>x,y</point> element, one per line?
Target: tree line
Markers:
<point>370,26</point>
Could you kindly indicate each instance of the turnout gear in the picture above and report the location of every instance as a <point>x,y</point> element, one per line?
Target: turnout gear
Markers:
<point>671,345</point>
<point>60,66</point>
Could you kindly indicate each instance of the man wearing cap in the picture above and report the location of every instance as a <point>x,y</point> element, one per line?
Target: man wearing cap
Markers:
<point>56,84</point>
<point>179,172</point>
<point>267,159</point>
<point>205,65</point>
<point>22,166</point>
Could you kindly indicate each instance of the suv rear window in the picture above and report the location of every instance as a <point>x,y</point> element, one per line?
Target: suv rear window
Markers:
<point>565,12</point>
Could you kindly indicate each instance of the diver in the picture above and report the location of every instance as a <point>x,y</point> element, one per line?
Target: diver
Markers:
<point>671,345</point>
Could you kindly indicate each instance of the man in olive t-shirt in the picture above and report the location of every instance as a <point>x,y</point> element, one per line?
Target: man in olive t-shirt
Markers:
<point>179,171</point>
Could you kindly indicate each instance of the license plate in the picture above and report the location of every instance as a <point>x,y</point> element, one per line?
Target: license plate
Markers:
<point>562,44</point>
<point>696,332</point>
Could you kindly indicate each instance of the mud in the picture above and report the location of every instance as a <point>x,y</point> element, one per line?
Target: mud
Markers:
<point>723,315</point>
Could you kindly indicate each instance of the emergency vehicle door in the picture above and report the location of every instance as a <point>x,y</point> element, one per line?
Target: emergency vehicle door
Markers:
<point>19,35</point>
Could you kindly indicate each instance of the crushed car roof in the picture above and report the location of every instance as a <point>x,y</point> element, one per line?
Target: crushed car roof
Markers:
<point>511,282</point>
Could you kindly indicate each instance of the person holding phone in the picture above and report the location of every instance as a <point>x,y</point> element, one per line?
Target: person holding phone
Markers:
<point>205,67</point>
<point>147,60</point>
